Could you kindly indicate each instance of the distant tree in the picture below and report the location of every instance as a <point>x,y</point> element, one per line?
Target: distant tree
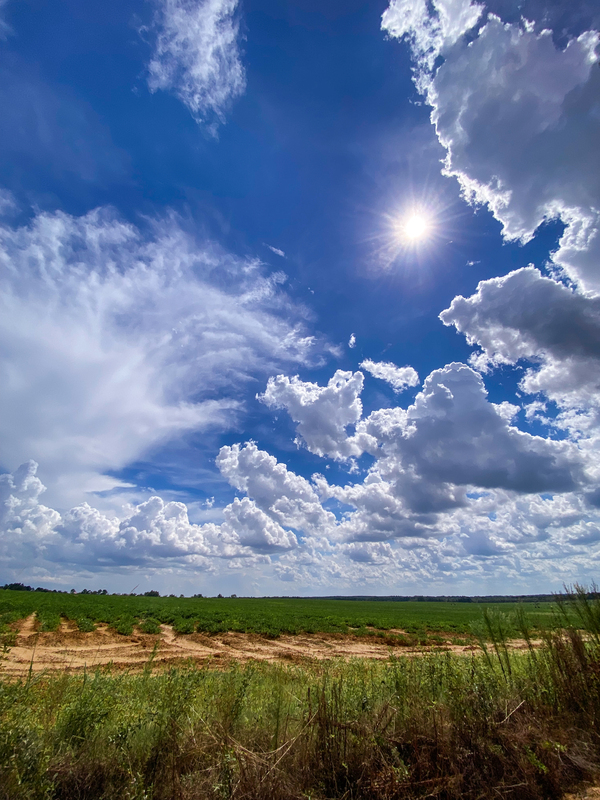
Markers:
<point>198,595</point>
<point>152,593</point>
<point>220,595</point>
<point>234,595</point>
<point>18,587</point>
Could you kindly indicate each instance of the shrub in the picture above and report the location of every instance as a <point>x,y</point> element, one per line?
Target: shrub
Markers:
<point>124,625</point>
<point>150,625</point>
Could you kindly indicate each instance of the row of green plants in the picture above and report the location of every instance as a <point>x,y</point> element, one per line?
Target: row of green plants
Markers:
<point>269,617</point>
<point>494,724</point>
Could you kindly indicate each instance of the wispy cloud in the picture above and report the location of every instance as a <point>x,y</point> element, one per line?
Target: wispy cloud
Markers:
<point>197,56</point>
<point>116,340</point>
<point>4,27</point>
<point>275,250</point>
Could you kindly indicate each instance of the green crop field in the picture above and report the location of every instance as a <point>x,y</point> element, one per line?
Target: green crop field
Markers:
<point>495,723</point>
<point>269,617</point>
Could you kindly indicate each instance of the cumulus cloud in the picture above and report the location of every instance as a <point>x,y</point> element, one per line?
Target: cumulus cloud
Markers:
<point>153,533</point>
<point>399,378</point>
<point>518,118</point>
<point>428,457</point>
<point>323,413</point>
<point>287,498</point>
<point>527,316</point>
<point>453,434</point>
<point>352,341</point>
<point>430,33</point>
<point>257,529</point>
<point>281,531</point>
<point>197,56</point>
<point>115,341</point>
<point>21,513</point>
<point>515,107</point>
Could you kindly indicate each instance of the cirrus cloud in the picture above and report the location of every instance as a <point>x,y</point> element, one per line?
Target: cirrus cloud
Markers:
<point>197,56</point>
<point>117,340</point>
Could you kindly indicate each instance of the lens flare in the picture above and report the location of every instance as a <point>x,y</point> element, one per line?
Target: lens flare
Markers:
<point>411,233</point>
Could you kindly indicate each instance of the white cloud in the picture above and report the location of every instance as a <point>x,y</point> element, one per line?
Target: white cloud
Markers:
<point>153,533</point>
<point>430,455</point>
<point>114,341</point>
<point>21,513</point>
<point>497,535</point>
<point>276,250</point>
<point>197,56</point>
<point>399,378</point>
<point>287,498</point>
<point>352,341</point>
<point>527,316</point>
<point>430,34</point>
<point>257,529</point>
<point>323,413</point>
<point>452,434</point>
<point>518,118</point>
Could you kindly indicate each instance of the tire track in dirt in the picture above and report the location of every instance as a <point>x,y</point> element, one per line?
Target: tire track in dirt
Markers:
<point>69,649</point>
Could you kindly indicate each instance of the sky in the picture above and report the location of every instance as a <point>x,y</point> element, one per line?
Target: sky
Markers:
<point>300,298</point>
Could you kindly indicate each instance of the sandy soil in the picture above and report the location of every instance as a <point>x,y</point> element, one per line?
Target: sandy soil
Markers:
<point>70,649</point>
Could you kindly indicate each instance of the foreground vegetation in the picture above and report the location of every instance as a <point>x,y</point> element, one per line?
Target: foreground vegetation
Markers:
<point>266,616</point>
<point>496,724</point>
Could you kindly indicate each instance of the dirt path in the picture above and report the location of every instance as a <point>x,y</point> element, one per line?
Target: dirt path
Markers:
<point>71,650</point>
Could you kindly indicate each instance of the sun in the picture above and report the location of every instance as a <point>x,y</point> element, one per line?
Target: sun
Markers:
<point>414,227</point>
<point>412,231</point>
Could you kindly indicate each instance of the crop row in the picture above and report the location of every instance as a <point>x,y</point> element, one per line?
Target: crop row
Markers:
<point>268,617</point>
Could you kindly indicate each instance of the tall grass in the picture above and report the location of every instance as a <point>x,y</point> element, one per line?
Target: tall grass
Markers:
<point>493,724</point>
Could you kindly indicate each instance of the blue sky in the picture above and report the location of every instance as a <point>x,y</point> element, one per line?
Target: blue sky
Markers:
<point>228,365</point>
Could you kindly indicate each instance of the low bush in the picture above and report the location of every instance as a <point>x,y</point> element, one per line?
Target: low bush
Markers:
<point>150,625</point>
<point>181,625</point>
<point>85,625</point>
<point>124,625</point>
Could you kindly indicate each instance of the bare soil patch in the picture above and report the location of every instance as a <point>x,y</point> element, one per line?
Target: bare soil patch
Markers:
<point>68,649</point>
